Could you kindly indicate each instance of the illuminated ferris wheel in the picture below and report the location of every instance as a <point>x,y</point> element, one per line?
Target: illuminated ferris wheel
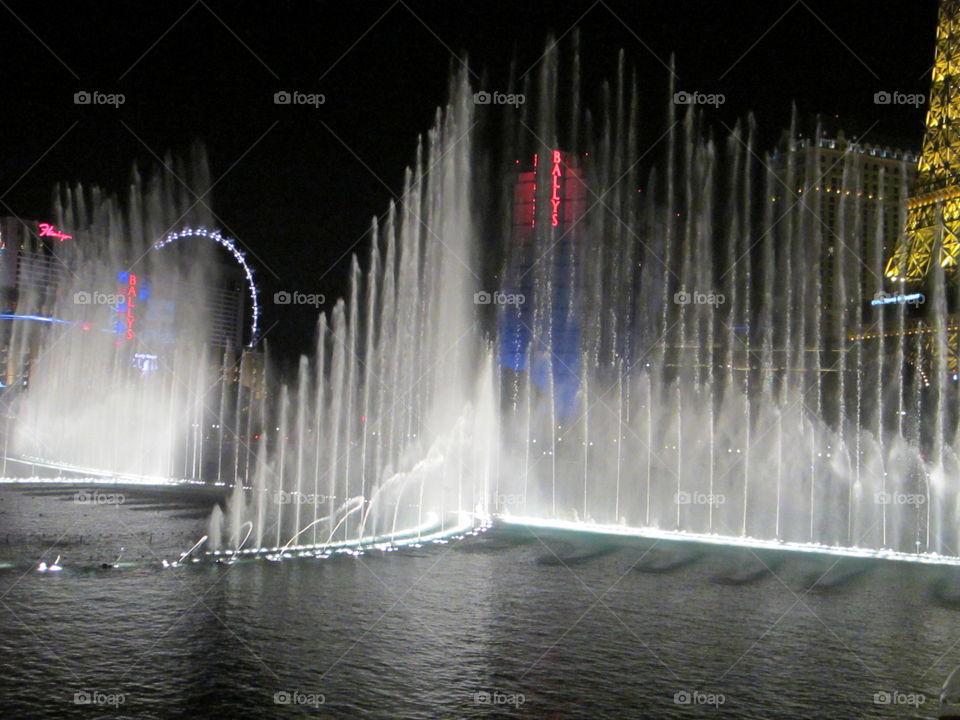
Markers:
<point>228,243</point>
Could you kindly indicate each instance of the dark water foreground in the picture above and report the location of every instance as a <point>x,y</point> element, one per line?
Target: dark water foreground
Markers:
<point>514,623</point>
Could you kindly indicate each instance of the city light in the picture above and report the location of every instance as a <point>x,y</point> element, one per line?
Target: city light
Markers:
<point>48,230</point>
<point>897,299</point>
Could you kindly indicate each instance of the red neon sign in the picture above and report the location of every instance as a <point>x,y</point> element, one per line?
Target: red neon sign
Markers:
<point>48,230</point>
<point>533,213</point>
<point>131,303</point>
<point>126,316</point>
<point>555,188</point>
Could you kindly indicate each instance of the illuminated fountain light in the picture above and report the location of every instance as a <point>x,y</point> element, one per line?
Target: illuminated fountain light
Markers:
<point>184,556</point>
<point>431,531</point>
<point>88,475</point>
<point>727,540</point>
<point>52,567</point>
<point>115,565</point>
<point>100,480</point>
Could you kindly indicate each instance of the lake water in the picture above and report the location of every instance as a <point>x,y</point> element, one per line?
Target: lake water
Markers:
<point>512,623</point>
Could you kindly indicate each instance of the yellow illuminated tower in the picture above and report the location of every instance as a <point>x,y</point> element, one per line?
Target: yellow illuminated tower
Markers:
<point>933,210</point>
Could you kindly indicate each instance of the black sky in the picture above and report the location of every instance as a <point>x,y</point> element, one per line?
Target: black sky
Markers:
<point>298,185</point>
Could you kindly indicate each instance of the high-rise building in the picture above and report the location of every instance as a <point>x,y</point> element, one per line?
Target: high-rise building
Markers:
<point>825,168</point>
<point>539,327</point>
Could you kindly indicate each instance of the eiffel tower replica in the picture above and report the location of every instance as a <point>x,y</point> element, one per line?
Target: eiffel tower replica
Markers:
<point>932,231</point>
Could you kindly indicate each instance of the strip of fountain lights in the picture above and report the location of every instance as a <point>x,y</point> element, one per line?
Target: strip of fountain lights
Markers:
<point>432,532</point>
<point>88,475</point>
<point>118,480</point>
<point>725,540</point>
<point>413,538</point>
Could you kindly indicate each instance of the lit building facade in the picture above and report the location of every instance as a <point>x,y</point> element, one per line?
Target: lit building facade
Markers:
<point>870,180</point>
<point>540,335</point>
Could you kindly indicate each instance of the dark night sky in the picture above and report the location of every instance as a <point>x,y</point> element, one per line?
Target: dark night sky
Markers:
<point>292,186</point>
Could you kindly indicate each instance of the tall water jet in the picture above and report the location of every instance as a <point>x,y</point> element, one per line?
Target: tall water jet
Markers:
<point>391,425</point>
